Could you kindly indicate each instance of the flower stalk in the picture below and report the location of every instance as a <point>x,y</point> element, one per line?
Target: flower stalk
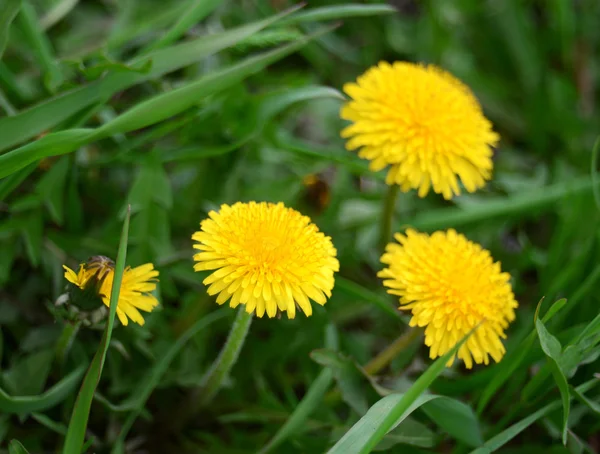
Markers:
<point>213,380</point>
<point>387,218</point>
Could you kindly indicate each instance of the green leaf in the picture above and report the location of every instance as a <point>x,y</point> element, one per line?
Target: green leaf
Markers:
<point>8,11</point>
<point>552,348</point>
<point>15,447</point>
<point>591,404</point>
<point>51,189</point>
<point>390,411</point>
<point>594,167</point>
<point>143,391</point>
<point>352,384</point>
<point>79,417</point>
<point>515,358</point>
<point>41,47</point>
<point>338,12</point>
<point>145,113</point>
<point>362,293</point>
<point>28,375</point>
<point>44,401</point>
<point>496,442</point>
<point>410,432</point>
<point>41,117</point>
<point>197,11</point>
<point>58,11</point>
<point>525,203</point>
<point>311,400</point>
<point>456,418</point>
<point>33,232</point>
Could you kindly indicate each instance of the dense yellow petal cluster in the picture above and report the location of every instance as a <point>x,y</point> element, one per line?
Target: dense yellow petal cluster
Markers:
<point>423,123</point>
<point>265,256</point>
<point>136,286</point>
<point>451,284</point>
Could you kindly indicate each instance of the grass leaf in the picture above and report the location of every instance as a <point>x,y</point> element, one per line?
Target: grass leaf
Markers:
<point>390,411</point>
<point>76,431</point>
<point>552,348</point>
<point>8,11</point>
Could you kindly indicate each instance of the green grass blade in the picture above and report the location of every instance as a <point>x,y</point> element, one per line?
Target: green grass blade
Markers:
<point>168,104</point>
<point>358,291</point>
<point>594,171</point>
<point>41,46</point>
<point>496,442</point>
<point>51,145</point>
<point>44,401</point>
<point>146,113</point>
<point>43,116</point>
<point>391,410</point>
<point>8,11</point>
<point>57,13</point>
<point>311,400</point>
<point>15,447</point>
<point>144,390</point>
<point>513,359</point>
<point>552,348</point>
<point>79,417</point>
<point>532,202</point>
<point>338,12</point>
<point>197,11</point>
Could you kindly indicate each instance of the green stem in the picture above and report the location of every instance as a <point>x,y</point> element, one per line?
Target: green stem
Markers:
<point>388,215</point>
<point>214,378</point>
<point>392,351</point>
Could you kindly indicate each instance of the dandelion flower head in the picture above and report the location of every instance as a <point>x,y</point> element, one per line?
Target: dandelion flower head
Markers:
<point>266,256</point>
<point>136,286</point>
<point>423,123</point>
<point>450,285</point>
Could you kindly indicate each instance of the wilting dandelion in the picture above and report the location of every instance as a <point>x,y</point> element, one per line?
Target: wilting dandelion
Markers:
<point>265,256</point>
<point>450,285</point>
<point>423,123</point>
<point>95,278</point>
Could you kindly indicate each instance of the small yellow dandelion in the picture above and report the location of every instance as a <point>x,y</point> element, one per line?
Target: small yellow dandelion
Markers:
<point>265,256</point>
<point>136,286</point>
<point>451,284</point>
<point>423,123</point>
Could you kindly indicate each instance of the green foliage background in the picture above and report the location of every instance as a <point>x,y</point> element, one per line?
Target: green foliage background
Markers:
<point>178,106</point>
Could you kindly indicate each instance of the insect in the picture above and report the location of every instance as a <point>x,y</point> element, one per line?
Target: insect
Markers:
<point>101,265</point>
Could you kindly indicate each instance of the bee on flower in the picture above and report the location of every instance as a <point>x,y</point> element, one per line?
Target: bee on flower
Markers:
<point>91,286</point>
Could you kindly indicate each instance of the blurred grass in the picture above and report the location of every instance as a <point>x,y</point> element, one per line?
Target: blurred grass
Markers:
<point>178,106</point>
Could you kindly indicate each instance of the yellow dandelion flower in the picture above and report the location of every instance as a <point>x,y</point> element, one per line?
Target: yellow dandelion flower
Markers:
<point>265,256</point>
<point>136,286</point>
<point>423,123</point>
<point>451,284</point>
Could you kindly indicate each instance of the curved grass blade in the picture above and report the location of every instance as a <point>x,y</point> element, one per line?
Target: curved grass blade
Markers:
<point>594,169</point>
<point>8,11</point>
<point>390,411</point>
<point>44,401</point>
<point>194,14</point>
<point>496,442</point>
<point>528,202</point>
<point>146,113</point>
<point>81,411</point>
<point>338,12</point>
<point>553,350</point>
<point>312,399</point>
<point>513,359</point>
<point>136,403</point>
<point>363,293</point>
<point>16,447</point>
<point>41,47</point>
<point>41,117</point>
